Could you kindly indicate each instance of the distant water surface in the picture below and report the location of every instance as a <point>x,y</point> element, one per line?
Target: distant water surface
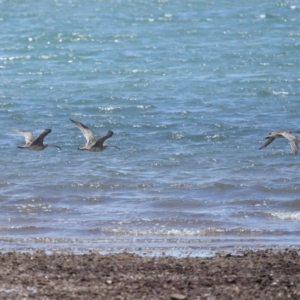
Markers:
<point>189,88</point>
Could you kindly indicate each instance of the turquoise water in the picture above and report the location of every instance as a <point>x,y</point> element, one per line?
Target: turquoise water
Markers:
<point>189,88</point>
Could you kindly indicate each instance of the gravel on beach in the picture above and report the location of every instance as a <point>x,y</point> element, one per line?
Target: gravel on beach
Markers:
<point>263,274</point>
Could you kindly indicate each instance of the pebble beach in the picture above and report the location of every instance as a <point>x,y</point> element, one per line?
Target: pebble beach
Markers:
<point>263,274</point>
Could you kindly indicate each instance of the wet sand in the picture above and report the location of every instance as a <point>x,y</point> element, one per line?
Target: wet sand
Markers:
<point>252,275</point>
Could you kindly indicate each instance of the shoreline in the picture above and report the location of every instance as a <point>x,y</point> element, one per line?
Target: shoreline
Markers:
<point>261,274</point>
<point>176,252</point>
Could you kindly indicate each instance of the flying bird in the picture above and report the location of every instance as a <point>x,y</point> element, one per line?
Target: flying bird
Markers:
<point>91,143</point>
<point>293,140</point>
<point>32,143</point>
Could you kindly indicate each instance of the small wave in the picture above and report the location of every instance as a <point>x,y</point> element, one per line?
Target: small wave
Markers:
<point>183,232</point>
<point>214,136</point>
<point>108,108</point>
<point>110,186</point>
<point>280,93</point>
<point>11,58</point>
<point>293,216</point>
<point>273,92</point>
<point>177,135</point>
<point>23,230</point>
<point>4,104</point>
<point>295,204</point>
<point>262,16</point>
<point>129,108</point>
<point>4,184</point>
<point>40,208</point>
<point>125,36</point>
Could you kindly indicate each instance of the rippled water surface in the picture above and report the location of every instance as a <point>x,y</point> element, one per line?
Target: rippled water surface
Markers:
<point>189,88</point>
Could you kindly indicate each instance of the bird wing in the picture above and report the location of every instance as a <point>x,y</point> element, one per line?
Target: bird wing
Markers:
<point>293,141</point>
<point>88,134</point>
<point>40,139</point>
<point>268,141</point>
<point>27,134</point>
<point>100,141</point>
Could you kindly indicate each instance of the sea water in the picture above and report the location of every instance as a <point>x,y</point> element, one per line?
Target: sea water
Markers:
<point>190,90</point>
